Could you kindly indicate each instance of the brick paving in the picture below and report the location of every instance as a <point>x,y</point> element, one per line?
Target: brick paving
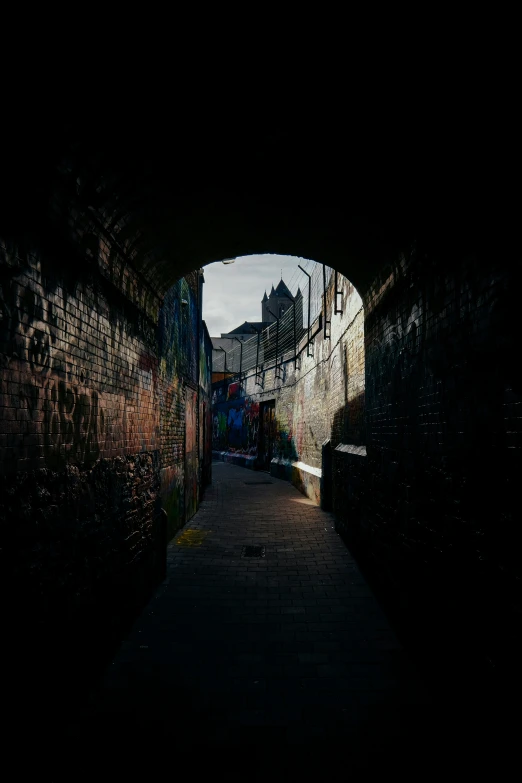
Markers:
<point>287,650</point>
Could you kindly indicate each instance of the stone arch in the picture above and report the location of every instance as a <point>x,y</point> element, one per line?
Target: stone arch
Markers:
<point>145,212</point>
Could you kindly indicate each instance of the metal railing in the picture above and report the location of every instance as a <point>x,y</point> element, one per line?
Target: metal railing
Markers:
<point>279,342</point>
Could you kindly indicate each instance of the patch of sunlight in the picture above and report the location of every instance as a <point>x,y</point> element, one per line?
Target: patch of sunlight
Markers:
<point>192,537</point>
<point>306,501</point>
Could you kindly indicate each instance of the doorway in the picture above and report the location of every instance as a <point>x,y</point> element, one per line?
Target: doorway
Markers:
<point>266,434</point>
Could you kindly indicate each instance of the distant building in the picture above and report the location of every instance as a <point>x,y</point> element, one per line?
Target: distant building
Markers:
<point>272,308</point>
<point>276,305</point>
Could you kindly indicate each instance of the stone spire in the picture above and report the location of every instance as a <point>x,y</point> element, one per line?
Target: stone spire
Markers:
<point>283,290</point>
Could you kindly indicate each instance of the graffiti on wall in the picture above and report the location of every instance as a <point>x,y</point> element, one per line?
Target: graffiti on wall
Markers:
<point>208,430</point>
<point>184,389</point>
<point>173,496</point>
<point>177,333</point>
<point>191,454</point>
<point>284,446</point>
<point>72,371</point>
<point>235,426</point>
<point>234,391</point>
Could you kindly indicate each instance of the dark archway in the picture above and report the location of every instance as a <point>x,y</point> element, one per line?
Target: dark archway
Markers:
<point>174,203</point>
<point>420,230</point>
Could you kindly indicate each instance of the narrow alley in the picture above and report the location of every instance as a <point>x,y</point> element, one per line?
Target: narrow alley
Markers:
<point>271,652</point>
<point>359,606</point>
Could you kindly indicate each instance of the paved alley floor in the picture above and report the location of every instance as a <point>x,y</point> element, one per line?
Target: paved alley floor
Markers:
<point>286,650</point>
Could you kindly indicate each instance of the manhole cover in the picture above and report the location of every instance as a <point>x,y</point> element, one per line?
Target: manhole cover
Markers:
<point>253,551</point>
<point>258,482</point>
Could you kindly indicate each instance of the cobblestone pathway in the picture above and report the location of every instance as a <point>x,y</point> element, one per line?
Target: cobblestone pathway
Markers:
<point>286,650</point>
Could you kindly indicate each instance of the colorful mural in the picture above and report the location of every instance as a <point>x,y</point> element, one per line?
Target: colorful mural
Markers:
<point>267,433</point>
<point>234,391</point>
<point>178,331</point>
<point>235,426</point>
<point>173,497</point>
<point>184,388</point>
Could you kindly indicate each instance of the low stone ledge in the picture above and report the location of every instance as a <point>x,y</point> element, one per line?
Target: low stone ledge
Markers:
<point>305,478</point>
<point>243,460</point>
<point>346,448</point>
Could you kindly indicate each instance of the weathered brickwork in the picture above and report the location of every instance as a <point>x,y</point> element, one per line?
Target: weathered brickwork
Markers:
<point>76,531</point>
<point>434,503</point>
<point>421,405</point>
<point>205,406</point>
<point>184,391</point>
<point>92,427</point>
<point>76,371</point>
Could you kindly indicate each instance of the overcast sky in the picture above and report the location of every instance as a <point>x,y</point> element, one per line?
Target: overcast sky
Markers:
<point>232,293</point>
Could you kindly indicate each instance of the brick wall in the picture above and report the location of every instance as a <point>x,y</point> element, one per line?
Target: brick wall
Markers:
<point>434,503</point>
<point>178,369</point>
<point>205,416</point>
<point>92,397</point>
<point>421,404</point>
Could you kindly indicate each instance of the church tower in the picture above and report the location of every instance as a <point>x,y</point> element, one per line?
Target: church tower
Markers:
<point>264,313</point>
<point>277,304</point>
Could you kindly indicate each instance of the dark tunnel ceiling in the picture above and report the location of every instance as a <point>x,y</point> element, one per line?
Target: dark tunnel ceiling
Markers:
<point>178,197</point>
